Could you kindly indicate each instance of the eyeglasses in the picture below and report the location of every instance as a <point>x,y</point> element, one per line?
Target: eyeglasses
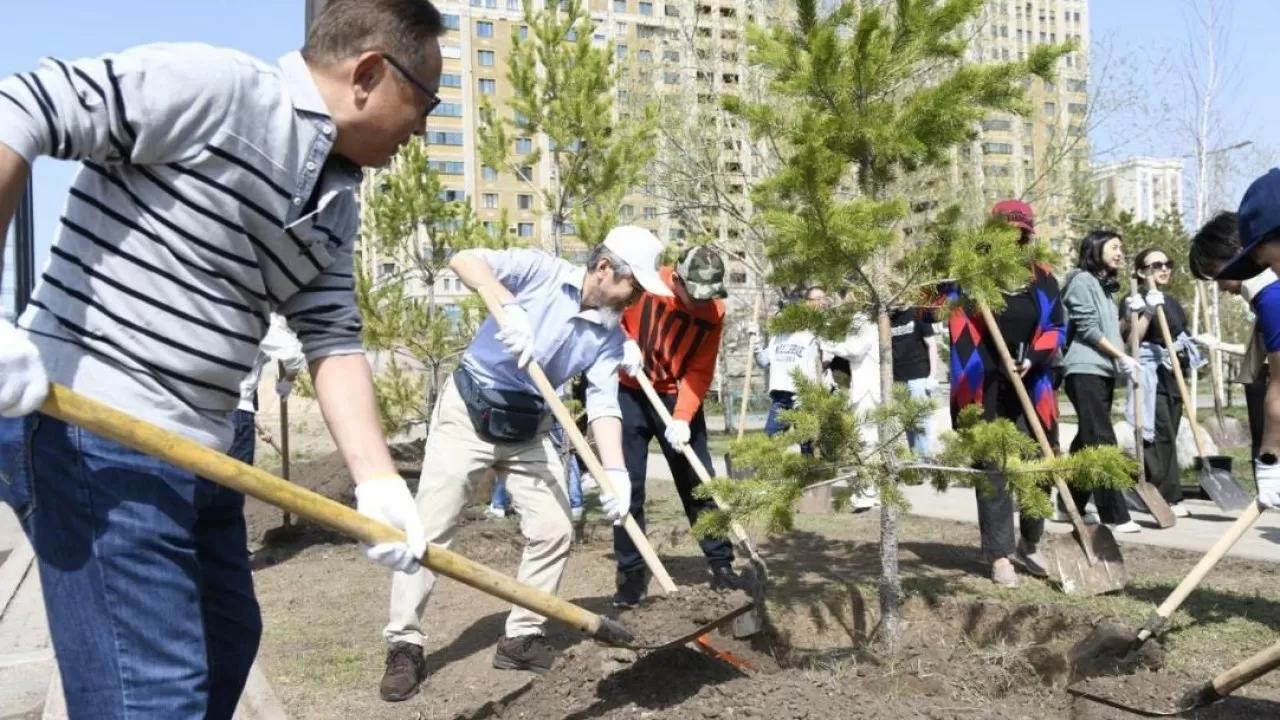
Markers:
<point>433,100</point>
<point>1167,265</point>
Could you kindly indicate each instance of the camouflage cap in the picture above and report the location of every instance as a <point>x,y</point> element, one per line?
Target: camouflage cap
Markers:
<point>702,270</point>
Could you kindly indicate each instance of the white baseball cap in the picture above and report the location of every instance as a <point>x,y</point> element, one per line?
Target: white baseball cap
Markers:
<point>641,250</point>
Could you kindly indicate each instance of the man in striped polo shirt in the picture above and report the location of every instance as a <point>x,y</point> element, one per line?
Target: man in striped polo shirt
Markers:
<point>214,189</point>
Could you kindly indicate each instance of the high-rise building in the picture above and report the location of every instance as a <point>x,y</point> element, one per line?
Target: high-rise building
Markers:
<point>1148,187</point>
<point>1034,157</point>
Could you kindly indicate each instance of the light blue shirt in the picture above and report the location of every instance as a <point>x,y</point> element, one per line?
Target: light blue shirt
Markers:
<point>567,340</point>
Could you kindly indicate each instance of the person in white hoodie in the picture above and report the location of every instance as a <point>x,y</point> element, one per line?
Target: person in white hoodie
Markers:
<point>861,348</point>
<point>784,353</point>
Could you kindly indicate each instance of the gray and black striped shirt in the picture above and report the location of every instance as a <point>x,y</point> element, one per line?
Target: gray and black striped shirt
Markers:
<point>206,199</point>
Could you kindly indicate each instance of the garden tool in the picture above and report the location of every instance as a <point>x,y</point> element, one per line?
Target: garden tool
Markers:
<point>1198,696</point>
<point>1114,639</point>
<point>1215,355</point>
<point>748,624</point>
<point>71,407</point>
<point>1150,494</point>
<point>1214,472</point>
<point>1092,563</point>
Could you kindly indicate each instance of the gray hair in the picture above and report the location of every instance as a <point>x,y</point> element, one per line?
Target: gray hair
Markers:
<point>600,252</point>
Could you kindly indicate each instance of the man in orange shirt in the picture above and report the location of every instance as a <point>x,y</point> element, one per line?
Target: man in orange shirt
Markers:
<point>675,341</point>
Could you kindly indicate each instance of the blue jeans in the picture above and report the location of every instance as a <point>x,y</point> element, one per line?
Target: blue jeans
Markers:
<point>918,437</point>
<point>145,571</point>
<point>782,400</point>
<point>500,497</point>
<point>246,436</point>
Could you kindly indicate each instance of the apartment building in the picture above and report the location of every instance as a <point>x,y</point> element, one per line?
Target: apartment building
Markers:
<point>1148,187</point>
<point>1035,157</point>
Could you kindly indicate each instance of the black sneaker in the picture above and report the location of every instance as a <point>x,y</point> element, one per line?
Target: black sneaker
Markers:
<point>528,652</point>
<point>631,588</point>
<point>723,578</point>
<point>406,669</point>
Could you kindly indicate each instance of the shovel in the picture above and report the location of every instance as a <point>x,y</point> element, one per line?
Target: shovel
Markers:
<point>1091,563</point>
<point>749,624</point>
<point>1214,472</point>
<point>1113,639</point>
<point>1199,696</point>
<point>1151,497</point>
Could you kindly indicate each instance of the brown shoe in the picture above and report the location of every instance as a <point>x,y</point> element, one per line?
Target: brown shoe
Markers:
<point>528,652</point>
<point>406,669</point>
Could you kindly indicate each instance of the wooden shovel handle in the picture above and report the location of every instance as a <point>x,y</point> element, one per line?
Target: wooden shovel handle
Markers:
<point>751,363</point>
<point>1247,671</point>
<point>1178,377</point>
<point>584,451</point>
<point>75,409</point>
<point>1033,421</point>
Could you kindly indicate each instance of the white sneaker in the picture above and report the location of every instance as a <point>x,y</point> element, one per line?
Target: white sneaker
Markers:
<point>496,513</point>
<point>1180,510</point>
<point>1129,527</point>
<point>1090,517</point>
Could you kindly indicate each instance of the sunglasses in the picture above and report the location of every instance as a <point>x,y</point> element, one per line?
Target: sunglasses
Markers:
<point>1159,266</point>
<point>433,100</point>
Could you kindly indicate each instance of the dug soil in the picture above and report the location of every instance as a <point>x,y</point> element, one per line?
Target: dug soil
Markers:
<point>967,650</point>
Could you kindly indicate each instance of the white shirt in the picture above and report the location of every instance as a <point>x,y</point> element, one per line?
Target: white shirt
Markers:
<point>786,352</point>
<point>280,345</point>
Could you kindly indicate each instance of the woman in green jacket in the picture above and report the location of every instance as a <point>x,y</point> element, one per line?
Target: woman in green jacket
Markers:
<point>1095,359</point>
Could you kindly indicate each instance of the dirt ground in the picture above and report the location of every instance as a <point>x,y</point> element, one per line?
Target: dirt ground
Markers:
<point>970,650</point>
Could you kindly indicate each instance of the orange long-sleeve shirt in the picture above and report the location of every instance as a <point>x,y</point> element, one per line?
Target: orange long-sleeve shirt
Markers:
<point>680,343</point>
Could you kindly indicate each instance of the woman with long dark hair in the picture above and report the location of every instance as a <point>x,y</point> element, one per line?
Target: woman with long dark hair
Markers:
<point>1162,404</point>
<point>1095,359</point>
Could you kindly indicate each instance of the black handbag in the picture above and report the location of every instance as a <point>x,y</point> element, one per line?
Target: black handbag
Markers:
<point>500,416</point>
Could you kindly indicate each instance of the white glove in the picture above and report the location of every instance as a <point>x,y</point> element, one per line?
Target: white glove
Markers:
<point>678,435</point>
<point>1134,304</point>
<point>24,384</point>
<point>387,500</point>
<point>1154,298</point>
<point>617,510</point>
<point>284,388</point>
<point>1208,340</point>
<point>632,359</point>
<point>931,385</point>
<point>1268,485</point>
<point>1131,366</point>
<point>517,334</point>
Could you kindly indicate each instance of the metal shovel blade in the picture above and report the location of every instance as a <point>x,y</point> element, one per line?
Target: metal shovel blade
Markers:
<point>1220,485</point>
<point>1071,569</point>
<point>692,635</point>
<point>1155,504</point>
<point>1189,701</point>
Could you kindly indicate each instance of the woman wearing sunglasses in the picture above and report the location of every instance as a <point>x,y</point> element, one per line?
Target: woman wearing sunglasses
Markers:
<point>1161,402</point>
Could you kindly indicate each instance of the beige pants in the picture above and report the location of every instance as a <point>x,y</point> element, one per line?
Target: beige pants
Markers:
<point>456,459</point>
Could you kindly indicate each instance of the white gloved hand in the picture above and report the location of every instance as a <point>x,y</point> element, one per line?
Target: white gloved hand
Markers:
<point>284,388</point>
<point>1133,304</point>
<point>632,359</point>
<point>931,385</point>
<point>24,384</point>
<point>1154,298</point>
<point>1268,485</point>
<point>1208,340</point>
<point>617,510</point>
<point>517,334</point>
<point>1131,366</point>
<point>678,434</point>
<point>387,500</point>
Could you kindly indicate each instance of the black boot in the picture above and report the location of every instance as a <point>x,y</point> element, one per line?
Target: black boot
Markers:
<point>631,588</point>
<point>527,652</point>
<point>723,579</point>
<point>406,669</point>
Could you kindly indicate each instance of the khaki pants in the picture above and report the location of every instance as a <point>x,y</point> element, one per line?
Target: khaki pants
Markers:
<point>456,459</point>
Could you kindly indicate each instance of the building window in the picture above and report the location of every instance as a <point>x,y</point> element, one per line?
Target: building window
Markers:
<point>524,202</point>
<point>484,58</point>
<point>514,4</point>
<point>651,213</point>
<point>450,80</point>
<point>622,52</point>
<point>627,212</point>
<point>671,78</point>
<point>621,29</point>
<point>645,56</point>
<point>488,86</point>
<point>491,201</point>
<point>484,29</point>
<point>737,278</point>
<point>525,230</point>
<point>620,6</point>
<point>447,167</point>
<point>437,137</point>
<point>671,56</point>
<point>525,173</point>
<point>996,125</point>
<point>447,109</point>
<point>646,8</point>
<point>524,32</point>
<point>524,146</point>
<point>994,148</point>
<point>488,174</point>
<point>569,228</point>
<point>451,52</point>
<point>386,268</point>
<point>450,195</point>
<point>451,22</point>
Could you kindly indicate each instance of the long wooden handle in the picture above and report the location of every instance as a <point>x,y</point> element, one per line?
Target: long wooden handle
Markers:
<point>1182,383</point>
<point>588,456</point>
<point>1247,671</point>
<point>751,363</point>
<point>1033,421</point>
<point>75,409</point>
<point>284,436</point>
<point>1202,568</point>
<point>739,533</point>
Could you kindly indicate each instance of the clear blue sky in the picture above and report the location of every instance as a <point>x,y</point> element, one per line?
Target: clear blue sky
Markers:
<point>1150,36</point>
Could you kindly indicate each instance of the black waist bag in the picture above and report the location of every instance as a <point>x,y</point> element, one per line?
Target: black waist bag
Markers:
<point>500,416</point>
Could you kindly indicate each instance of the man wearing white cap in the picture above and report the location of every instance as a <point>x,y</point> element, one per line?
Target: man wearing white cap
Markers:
<point>491,416</point>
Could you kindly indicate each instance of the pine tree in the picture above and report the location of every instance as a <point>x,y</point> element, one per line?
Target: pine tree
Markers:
<point>409,225</point>
<point>563,87</point>
<point>865,98</point>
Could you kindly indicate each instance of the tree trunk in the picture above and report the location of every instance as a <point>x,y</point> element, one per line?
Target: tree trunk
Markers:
<point>890,581</point>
